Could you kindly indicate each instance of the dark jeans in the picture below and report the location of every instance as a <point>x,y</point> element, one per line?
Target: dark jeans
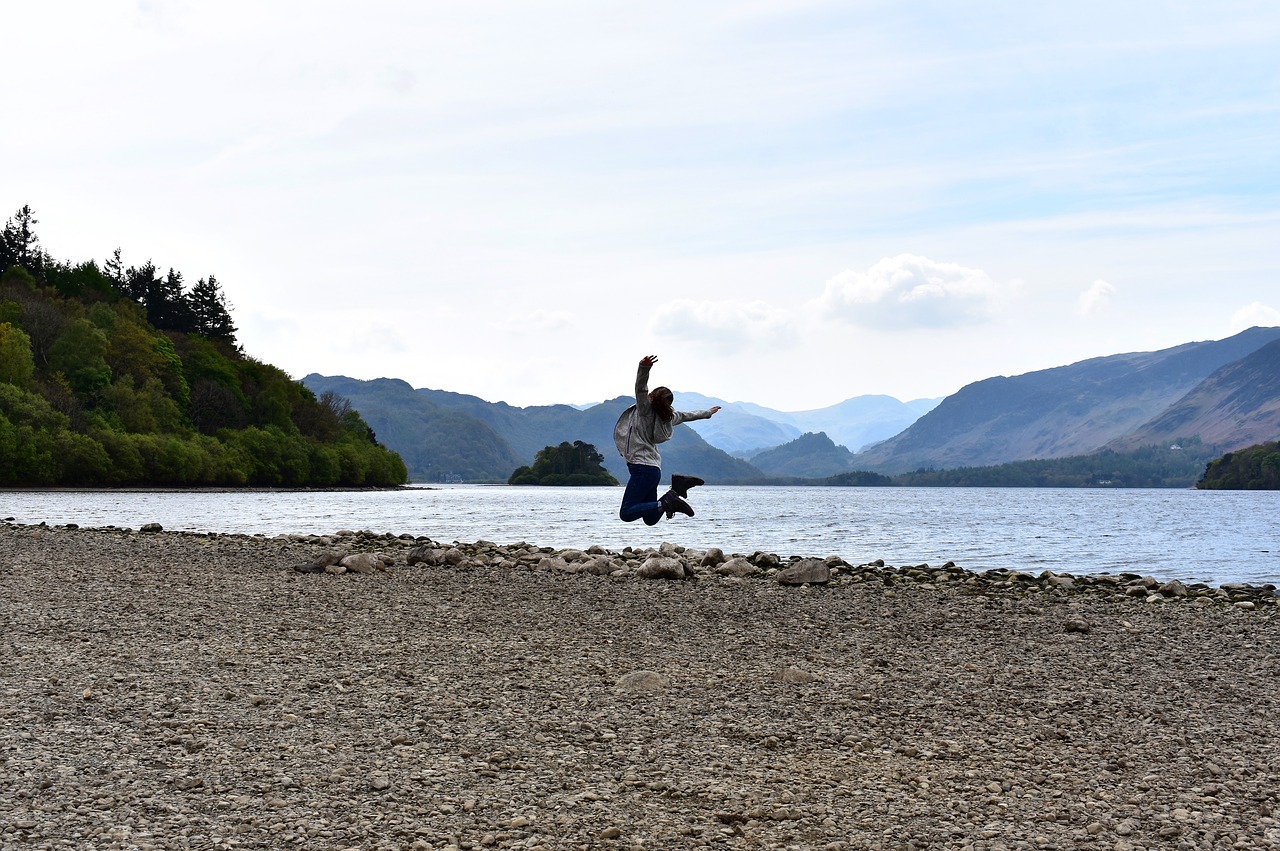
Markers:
<point>640,499</point>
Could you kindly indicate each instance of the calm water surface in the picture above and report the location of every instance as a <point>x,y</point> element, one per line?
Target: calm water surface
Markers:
<point>1203,536</point>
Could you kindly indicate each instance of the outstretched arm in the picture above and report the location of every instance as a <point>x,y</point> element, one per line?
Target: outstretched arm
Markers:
<point>685,416</point>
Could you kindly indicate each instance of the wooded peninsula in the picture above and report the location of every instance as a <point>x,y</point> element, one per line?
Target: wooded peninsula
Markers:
<point>120,375</point>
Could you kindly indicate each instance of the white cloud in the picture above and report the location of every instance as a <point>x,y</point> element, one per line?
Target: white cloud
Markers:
<point>910,291</point>
<point>373,336</point>
<point>1253,314</point>
<point>541,322</point>
<point>726,326</point>
<point>1095,299</point>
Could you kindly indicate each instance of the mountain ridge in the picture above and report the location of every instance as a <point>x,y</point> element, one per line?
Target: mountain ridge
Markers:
<point>1218,391</point>
<point>448,436</point>
<point>1057,412</point>
<point>1237,406</point>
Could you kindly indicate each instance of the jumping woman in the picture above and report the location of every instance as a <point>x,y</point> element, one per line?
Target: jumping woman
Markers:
<point>640,429</point>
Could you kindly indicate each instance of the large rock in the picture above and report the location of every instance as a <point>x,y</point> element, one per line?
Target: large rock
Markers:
<point>795,676</point>
<point>425,554</point>
<point>319,563</point>
<point>660,567</point>
<point>641,681</point>
<point>807,571</point>
<point>556,564</point>
<point>739,567</point>
<point>599,566</point>
<point>363,563</point>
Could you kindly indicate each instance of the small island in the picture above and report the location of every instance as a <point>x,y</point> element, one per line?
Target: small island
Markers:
<point>574,464</point>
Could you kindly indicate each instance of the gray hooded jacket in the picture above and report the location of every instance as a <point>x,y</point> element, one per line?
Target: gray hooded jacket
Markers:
<point>639,430</point>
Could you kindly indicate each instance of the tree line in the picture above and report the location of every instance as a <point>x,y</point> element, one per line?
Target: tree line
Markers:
<point>122,376</point>
<point>170,305</point>
<point>1174,466</point>
<point>1254,468</point>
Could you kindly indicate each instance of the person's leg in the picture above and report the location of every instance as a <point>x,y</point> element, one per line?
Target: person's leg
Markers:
<point>640,499</point>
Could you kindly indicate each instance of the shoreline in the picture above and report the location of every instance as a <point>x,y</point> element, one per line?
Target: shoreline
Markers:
<point>175,690</point>
<point>697,564</point>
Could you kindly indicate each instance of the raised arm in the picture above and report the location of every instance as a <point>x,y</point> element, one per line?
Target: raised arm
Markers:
<point>642,382</point>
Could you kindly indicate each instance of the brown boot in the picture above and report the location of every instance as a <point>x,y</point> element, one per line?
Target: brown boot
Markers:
<point>671,503</point>
<point>680,484</point>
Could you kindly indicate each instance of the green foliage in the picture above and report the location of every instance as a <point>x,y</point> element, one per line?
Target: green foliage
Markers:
<point>16,364</point>
<point>84,279</point>
<point>1254,468</point>
<point>573,464</point>
<point>92,393</point>
<point>1148,467</point>
<point>79,354</point>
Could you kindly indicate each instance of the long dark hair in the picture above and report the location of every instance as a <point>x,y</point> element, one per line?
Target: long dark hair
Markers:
<point>661,398</point>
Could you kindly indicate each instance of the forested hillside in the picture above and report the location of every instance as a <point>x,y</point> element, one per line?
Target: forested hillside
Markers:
<point>809,455</point>
<point>1253,468</point>
<point>118,375</point>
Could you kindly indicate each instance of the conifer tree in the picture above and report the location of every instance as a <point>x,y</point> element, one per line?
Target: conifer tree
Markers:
<point>211,315</point>
<point>19,245</point>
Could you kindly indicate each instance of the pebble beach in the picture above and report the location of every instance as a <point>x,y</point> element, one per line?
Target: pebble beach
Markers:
<point>361,690</point>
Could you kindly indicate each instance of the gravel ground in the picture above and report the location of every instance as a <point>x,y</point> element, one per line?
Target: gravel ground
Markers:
<point>172,690</point>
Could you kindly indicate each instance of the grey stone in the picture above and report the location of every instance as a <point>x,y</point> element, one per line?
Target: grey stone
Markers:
<point>807,571</point>
<point>713,557</point>
<point>642,681</point>
<point>362,563</point>
<point>658,567</point>
<point>739,567</point>
<point>795,676</point>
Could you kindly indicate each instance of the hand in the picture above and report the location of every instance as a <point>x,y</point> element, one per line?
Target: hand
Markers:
<point>715,408</point>
<point>648,360</point>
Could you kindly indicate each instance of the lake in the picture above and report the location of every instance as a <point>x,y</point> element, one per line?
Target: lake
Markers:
<point>1201,536</point>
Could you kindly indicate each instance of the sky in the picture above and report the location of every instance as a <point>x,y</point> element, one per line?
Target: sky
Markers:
<point>789,203</point>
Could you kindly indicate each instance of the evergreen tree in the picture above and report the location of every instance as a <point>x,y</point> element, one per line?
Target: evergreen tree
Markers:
<point>19,245</point>
<point>141,281</point>
<point>113,269</point>
<point>210,315</point>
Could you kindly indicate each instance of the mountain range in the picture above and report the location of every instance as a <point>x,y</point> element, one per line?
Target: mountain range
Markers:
<point>452,437</point>
<point>1219,390</point>
<point>744,428</point>
<point>1226,392</point>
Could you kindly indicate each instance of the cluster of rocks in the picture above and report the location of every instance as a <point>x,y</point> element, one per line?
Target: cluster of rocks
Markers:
<point>674,562</point>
